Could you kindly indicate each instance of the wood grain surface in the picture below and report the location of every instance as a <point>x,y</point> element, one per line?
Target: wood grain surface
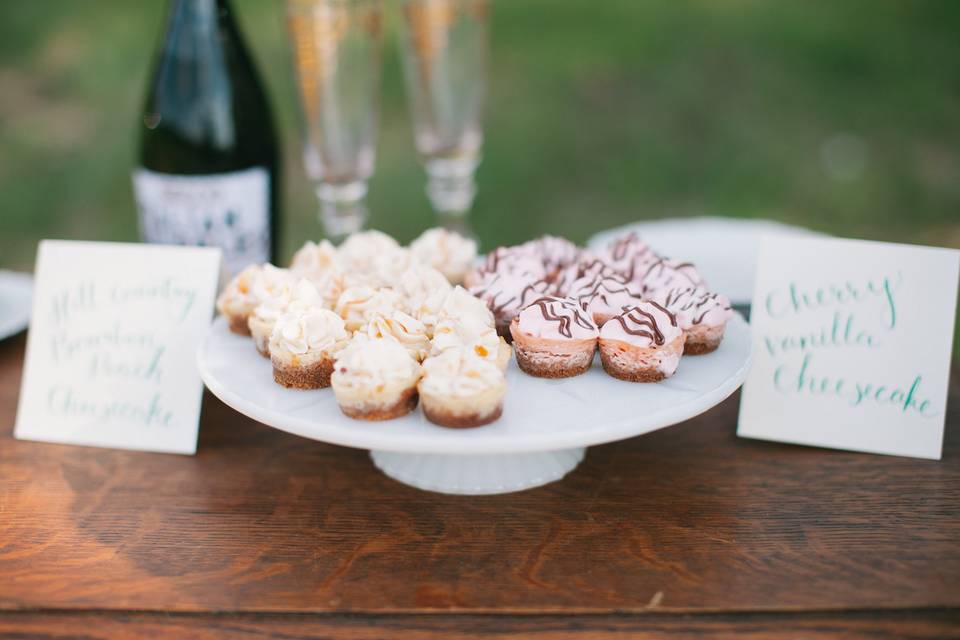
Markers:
<point>901,625</point>
<point>689,526</point>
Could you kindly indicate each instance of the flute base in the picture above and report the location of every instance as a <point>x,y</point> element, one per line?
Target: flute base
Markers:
<point>343,209</point>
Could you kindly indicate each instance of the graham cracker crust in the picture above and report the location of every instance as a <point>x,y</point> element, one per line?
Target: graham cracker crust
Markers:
<point>238,325</point>
<point>316,376</point>
<point>557,365</point>
<point>699,348</point>
<point>630,375</point>
<point>447,419</point>
<point>403,406</point>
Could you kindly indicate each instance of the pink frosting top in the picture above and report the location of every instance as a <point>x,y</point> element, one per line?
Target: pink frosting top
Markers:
<point>516,261</point>
<point>553,251</point>
<point>507,294</point>
<point>646,325</point>
<point>604,296</point>
<point>666,274</point>
<point>626,250</point>
<point>695,306</point>
<point>557,319</point>
<point>588,266</point>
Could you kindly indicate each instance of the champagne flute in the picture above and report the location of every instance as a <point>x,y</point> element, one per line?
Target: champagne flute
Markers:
<point>444,45</point>
<point>337,51</point>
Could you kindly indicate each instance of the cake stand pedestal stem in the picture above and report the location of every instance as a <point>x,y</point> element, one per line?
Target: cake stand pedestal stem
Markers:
<point>477,474</point>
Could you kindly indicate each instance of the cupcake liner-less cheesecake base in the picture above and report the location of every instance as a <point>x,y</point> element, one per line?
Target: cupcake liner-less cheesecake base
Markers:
<point>314,375</point>
<point>547,358</point>
<point>701,340</point>
<point>442,416</point>
<point>403,405</point>
<point>544,362</point>
<point>260,331</point>
<point>238,325</point>
<point>463,412</point>
<point>628,362</point>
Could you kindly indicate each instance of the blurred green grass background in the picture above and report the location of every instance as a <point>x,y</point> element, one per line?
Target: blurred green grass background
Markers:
<point>840,116</point>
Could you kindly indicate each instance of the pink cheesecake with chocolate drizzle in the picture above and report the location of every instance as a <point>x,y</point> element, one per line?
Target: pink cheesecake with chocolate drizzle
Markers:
<point>520,262</point>
<point>589,266</point>
<point>604,297</point>
<point>626,252</point>
<point>702,315</point>
<point>665,273</point>
<point>643,344</point>
<point>554,338</point>
<point>506,295</point>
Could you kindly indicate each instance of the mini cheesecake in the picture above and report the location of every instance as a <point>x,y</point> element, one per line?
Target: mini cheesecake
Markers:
<point>375,379</point>
<point>604,297</point>
<point>303,345</point>
<point>702,315</point>
<point>460,389</point>
<point>507,295</point>
<point>643,344</point>
<point>554,338</point>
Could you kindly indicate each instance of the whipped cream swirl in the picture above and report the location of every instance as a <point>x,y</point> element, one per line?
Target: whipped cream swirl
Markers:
<point>446,251</point>
<point>459,304</point>
<point>424,289</point>
<point>304,329</point>
<point>402,328</point>
<point>358,305</point>
<point>302,291</point>
<point>239,297</point>
<point>460,373</point>
<point>359,252</point>
<point>373,365</point>
<point>467,332</point>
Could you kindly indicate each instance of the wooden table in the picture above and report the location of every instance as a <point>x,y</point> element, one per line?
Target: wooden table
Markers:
<point>685,532</point>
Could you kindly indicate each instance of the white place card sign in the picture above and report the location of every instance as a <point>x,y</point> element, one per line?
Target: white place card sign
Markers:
<point>111,352</point>
<point>852,345</point>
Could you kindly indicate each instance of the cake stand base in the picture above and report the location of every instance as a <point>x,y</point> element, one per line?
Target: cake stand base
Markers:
<point>477,474</point>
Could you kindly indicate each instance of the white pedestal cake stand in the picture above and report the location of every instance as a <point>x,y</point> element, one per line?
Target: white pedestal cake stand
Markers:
<point>542,435</point>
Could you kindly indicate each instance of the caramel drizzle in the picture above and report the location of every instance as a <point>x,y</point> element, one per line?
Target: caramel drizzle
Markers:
<point>565,321</point>
<point>648,326</point>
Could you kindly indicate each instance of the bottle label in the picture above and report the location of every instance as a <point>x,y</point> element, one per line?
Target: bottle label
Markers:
<point>226,210</point>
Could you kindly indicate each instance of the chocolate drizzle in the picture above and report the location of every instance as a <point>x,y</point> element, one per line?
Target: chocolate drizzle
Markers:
<point>603,287</point>
<point>567,314</point>
<point>663,273</point>
<point>645,321</point>
<point>500,300</point>
<point>554,251</point>
<point>620,248</point>
<point>702,301</point>
<point>642,262</point>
